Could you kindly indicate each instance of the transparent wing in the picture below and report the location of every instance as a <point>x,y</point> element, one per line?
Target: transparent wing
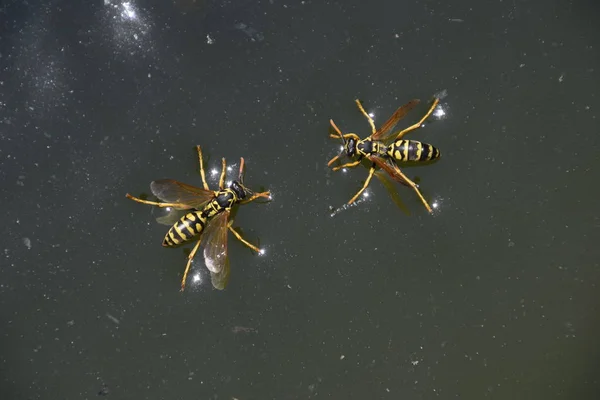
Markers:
<point>383,132</point>
<point>392,191</point>
<point>170,217</point>
<point>382,163</point>
<point>214,240</point>
<point>172,191</point>
<point>219,280</point>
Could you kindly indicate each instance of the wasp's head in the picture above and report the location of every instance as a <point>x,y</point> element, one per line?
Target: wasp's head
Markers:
<point>240,190</point>
<point>350,147</point>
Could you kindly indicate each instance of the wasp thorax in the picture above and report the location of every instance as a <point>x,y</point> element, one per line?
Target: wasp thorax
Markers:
<point>366,147</point>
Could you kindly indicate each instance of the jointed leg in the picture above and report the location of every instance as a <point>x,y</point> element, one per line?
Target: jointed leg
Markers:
<point>189,263</point>
<point>371,172</point>
<point>371,122</point>
<point>222,179</point>
<point>414,186</point>
<point>418,124</point>
<point>241,239</point>
<point>156,203</point>
<point>266,195</point>
<point>333,159</point>
<point>347,165</point>
<point>202,168</point>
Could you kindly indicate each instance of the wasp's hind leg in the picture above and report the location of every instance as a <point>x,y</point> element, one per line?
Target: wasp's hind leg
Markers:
<point>156,203</point>
<point>418,124</point>
<point>189,264</point>
<point>414,186</point>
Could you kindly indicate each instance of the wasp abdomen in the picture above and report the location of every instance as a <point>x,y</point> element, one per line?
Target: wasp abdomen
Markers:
<point>188,227</point>
<point>412,150</point>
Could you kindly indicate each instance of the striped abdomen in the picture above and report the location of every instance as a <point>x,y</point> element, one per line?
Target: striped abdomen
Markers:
<point>188,227</point>
<point>412,150</point>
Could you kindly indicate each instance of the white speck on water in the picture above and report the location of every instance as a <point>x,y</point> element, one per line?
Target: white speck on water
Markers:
<point>113,319</point>
<point>27,243</point>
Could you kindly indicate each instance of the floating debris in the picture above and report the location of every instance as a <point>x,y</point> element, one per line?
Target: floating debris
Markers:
<point>252,33</point>
<point>243,329</point>
<point>113,319</point>
<point>27,243</point>
<point>104,390</point>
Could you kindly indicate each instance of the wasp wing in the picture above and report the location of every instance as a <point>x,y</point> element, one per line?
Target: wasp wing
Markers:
<point>391,171</point>
<point>383,132</point>
<point>172,191</point>
<point>392,191</point>
<point>214,241</point>
<point>172,216</point>
<point>219,280</point>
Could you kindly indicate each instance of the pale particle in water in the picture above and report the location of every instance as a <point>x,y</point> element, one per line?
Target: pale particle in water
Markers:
<point>27,243</point>
<point>113,319</point>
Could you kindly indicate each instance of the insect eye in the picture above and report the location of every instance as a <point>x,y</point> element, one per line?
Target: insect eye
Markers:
<point>350,147</point>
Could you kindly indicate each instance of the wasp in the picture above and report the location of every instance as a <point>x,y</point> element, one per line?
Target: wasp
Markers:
<point>386,149</point>
<point>207,217</point>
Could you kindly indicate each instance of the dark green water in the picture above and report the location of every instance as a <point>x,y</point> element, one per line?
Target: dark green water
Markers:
<point>494,296</point>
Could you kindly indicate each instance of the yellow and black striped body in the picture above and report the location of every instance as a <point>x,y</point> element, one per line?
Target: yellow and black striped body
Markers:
<point>411,150</point>
<point>193,223</point>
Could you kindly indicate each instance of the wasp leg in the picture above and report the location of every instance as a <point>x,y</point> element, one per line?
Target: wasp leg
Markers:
<point>371,172</point>
<point>241,239</point>
<point>347,165</point>
<point>266,195</point>
<point>346,136</point>
<point>418,124</point>
<point>199,150</point>
<point>189,264</point>
<point>333,159</point>
<point>222,178</point>
<point>371,122</point>
<point>414,186</point>
<point>157,204</point>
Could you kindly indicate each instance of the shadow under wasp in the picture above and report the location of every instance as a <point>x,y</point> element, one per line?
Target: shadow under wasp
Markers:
<point>207,218</point>
<point>384,153</point>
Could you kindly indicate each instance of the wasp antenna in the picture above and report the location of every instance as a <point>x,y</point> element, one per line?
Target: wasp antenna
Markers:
<point>336,128</point>
<point>241,175</point>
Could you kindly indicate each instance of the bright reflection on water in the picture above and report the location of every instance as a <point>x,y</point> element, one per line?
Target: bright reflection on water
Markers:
<point>130,26</point>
